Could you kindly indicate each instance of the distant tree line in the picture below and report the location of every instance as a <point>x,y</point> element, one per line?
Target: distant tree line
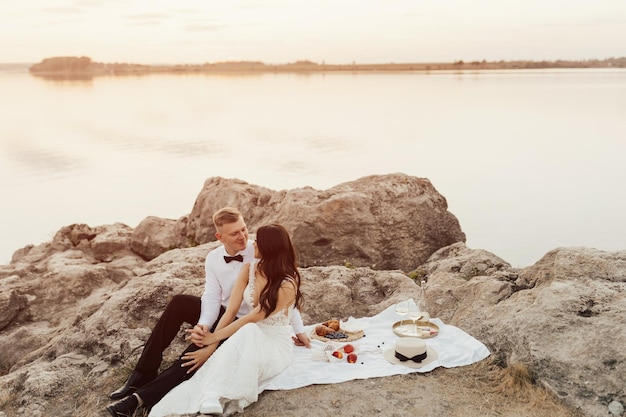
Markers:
<point>84,66</point>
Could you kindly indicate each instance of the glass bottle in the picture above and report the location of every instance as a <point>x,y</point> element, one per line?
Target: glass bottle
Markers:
<point>421,302</point>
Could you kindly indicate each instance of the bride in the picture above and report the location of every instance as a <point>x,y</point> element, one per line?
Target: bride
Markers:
<point>258,345</point>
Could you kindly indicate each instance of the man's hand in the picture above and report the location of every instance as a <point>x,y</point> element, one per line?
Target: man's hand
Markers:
<point>302,339</point>
<point>196,358</point>
<point>197,334</point>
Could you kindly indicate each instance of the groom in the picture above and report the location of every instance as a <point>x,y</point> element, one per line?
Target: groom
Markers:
<point>145,386</point>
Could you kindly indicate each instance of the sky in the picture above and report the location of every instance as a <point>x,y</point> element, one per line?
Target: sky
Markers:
<point>323,31</point>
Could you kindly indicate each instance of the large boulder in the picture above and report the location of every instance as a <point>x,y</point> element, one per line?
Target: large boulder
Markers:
<point>106,243</point>
<point>463,281</point>
<point>564,317</point>
<point>341,292</point>
<point>382,222</point>
<point>154,236</point>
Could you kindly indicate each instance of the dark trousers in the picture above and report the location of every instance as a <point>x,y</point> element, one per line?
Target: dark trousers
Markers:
<point>182,308</point>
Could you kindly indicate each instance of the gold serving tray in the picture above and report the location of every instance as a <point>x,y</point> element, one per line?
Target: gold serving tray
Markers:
<point>421,329</point>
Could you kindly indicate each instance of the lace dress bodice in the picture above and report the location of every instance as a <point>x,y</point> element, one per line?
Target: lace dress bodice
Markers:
<point>278,319</point>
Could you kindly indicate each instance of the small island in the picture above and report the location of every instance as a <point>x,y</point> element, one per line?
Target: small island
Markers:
<point>84,67</point>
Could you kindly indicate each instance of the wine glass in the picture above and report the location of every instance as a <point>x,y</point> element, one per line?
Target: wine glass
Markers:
<point>414,314</point>
<point>402,309</point>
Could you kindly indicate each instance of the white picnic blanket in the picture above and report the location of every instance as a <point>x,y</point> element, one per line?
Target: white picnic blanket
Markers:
<point>453,345</point>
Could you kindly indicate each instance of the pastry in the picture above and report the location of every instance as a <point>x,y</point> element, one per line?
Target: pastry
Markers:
<point>323,330</point>
<point>333,324</point>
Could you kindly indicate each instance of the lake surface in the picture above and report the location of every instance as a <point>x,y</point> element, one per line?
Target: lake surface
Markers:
<point>527,160</point>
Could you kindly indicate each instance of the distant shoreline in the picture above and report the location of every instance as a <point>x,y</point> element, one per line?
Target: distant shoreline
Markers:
<point>82,67</point>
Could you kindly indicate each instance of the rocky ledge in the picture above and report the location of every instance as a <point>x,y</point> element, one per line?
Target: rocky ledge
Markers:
<point>77,310</point>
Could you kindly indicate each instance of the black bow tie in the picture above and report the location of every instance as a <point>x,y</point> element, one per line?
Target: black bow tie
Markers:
<point>228,259</point>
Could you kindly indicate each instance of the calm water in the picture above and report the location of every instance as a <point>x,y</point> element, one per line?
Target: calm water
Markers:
<point>528,161</point>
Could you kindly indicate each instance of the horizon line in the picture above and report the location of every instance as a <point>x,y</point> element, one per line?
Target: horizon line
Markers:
<point>323,62</point>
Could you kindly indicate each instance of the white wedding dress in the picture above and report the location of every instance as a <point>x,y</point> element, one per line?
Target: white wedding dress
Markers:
<point>254,353</point>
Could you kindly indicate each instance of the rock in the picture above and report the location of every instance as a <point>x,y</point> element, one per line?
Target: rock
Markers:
<point>349,224</point>
<point>219,192</point>
<point>564,316</point>
<point>462,281</point>
<point>11,304</point>
<point>616,408</point>
<point>99,322</point>
<point>340,292</point>
<point>381,222</point>
<point>21,253</point>
<point>50,286</point>
<point>102,243</point>
<point>76,309</point>
<point>576,263</point>
<point>111,242</point>
<point>73,236</point>
<point>74,327</point>
<point>153,236</point>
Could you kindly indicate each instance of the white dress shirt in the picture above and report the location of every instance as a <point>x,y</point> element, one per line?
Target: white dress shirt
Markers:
<point>218,286</point>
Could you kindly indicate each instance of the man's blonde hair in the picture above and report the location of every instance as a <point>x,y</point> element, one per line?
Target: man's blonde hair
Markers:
<point>226,215</point>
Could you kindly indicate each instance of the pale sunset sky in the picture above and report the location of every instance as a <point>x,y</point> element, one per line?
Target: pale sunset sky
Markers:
<point>337,31</point>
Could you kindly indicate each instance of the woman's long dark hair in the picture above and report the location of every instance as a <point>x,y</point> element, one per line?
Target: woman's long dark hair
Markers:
<point>278,261</point>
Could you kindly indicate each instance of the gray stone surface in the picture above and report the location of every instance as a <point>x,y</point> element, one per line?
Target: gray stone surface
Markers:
<point>82,305</point>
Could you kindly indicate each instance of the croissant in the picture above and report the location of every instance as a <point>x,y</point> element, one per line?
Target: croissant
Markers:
<point>333,324</point>
<point>322,330</point>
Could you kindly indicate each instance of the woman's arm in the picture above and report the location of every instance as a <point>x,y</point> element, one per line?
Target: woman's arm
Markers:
<point>236,298</point>
<point>286,297</point>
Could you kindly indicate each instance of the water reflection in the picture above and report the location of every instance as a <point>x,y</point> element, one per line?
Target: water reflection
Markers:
<point>43,163</point>
<point>328,143</point>
<point>65,79</point>
<point>522,158</point>
<point>298,168</point>
<point>182,148</point>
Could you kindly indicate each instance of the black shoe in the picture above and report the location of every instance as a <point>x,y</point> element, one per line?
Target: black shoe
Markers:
<point>123,408</point>
<point>134,382</point>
